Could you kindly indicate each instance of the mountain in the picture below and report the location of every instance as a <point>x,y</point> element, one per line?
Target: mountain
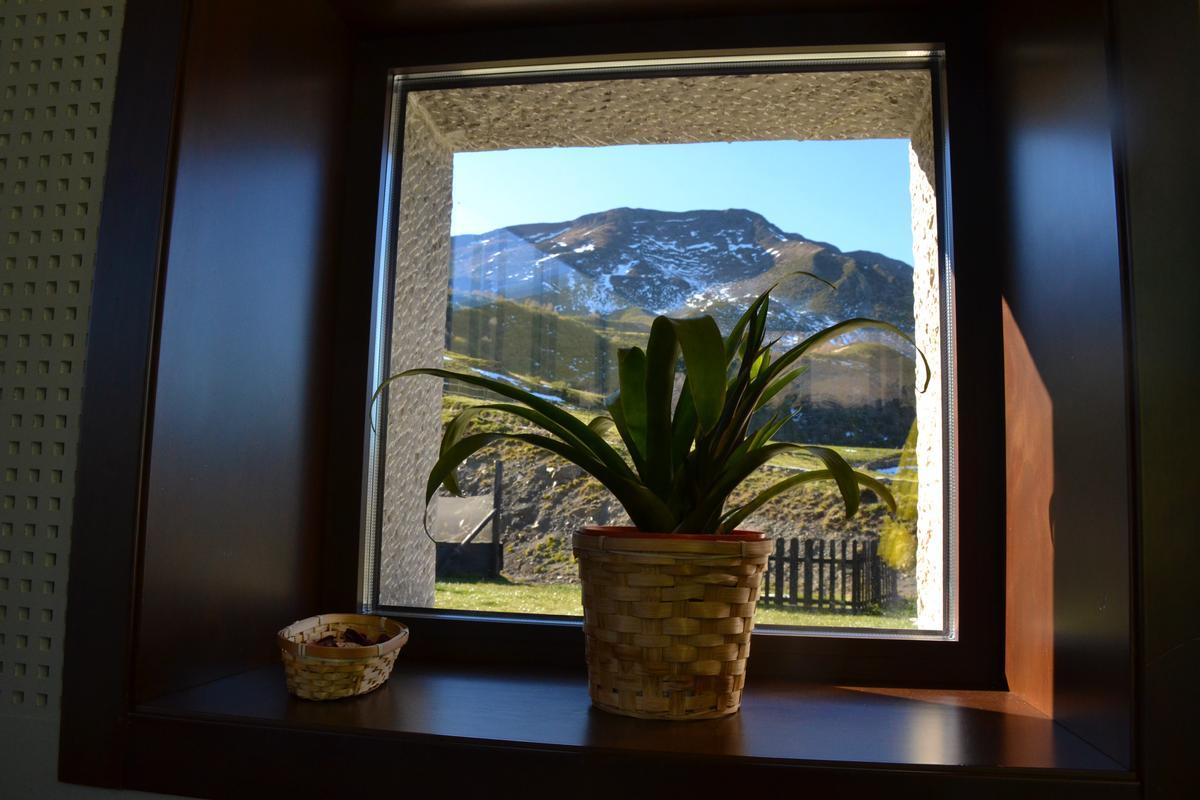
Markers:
<point>630,262</point>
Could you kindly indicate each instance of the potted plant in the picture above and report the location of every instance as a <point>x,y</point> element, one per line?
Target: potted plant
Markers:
<point>669,603</point>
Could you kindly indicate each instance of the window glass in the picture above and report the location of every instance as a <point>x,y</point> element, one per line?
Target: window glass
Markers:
<point>542,227</point>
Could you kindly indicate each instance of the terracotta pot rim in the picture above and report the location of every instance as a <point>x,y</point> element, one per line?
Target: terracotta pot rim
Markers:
<point>629,532</point>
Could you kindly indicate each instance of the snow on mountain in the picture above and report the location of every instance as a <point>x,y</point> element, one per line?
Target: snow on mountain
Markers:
<point>678,263</point>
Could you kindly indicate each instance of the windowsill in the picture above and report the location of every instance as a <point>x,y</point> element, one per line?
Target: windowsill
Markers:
<point>779,723</point>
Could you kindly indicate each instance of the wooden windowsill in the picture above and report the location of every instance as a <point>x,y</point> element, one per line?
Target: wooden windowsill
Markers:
<point>779,723</point>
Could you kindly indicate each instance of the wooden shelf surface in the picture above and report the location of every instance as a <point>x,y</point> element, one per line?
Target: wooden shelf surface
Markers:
<point>779,722</point>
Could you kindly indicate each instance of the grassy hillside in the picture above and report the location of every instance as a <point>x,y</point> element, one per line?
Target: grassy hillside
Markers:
<point>546,498</point>
<point>525,339</point>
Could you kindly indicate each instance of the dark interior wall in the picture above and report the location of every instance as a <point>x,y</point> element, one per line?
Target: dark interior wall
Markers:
<point>234,489</point>
<point>1157,48</point>
<point>1064,289</point>
<point>394,17</point>
<point>245,347</point>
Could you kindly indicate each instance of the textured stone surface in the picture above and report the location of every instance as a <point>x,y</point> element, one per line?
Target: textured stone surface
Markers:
<point>869,104</point>
<point>418,337</point>
<point>927,315</point>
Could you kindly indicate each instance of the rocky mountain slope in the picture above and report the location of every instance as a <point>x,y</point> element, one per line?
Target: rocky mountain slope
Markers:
<point>629,261</point>
<point>546,306</point>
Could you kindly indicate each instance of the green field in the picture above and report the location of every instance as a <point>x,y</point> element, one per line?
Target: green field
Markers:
<point>856,456</point>
<point>563,599</point>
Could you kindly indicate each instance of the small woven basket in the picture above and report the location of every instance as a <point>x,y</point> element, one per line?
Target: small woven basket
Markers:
<point>667,619</point>
<point>330,673</point>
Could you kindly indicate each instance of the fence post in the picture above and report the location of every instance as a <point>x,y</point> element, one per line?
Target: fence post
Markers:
<point>843,573</point>
<point>808,557</point>
<point>498,518</point>
<point>779,572</point>
<point>876,588</point>
<point>835,572</point>
<point>828,566</point>
<point>794,571</point>
<point>820,572</point>
<point>855,579</point>
<point>831,562</point>
<point>833,575</point>
<point>869,573</point>
<point>766,587</point>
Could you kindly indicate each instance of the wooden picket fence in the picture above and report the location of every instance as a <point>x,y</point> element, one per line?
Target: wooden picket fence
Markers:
<point>834,576</point>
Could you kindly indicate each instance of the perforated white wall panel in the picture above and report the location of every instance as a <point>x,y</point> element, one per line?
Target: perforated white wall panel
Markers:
<point>58,62</point>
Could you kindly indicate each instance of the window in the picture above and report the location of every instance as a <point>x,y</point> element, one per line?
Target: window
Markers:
<point>540,221</point>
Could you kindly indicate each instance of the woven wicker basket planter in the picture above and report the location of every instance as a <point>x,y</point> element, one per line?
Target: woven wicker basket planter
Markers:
<point>667,619</point>
<point>330,673</point>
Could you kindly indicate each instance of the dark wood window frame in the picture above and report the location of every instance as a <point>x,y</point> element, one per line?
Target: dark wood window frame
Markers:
<point>974,658</point>
<point>118,731</point>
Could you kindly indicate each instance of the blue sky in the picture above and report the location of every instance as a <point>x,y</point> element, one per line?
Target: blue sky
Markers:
<point>851,194</point>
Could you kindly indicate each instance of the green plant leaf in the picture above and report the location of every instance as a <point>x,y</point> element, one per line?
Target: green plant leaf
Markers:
<point>759,438</point>
<point>739,406</point>
<point>733,341</point>
<point>631,372</point>
<point>617,412</point>
<point>683,425</point>
<point>689,455</point>
<point>646,510</point>
<point>737,516</point>
<point>580,433</point>
<point>763,359</point>
<point>702,346</point>
<point>736,469</point>
<point>662,355</point>
<point>601,424</point>
<point>842,473</point>
<point>815,277</point>
<point>840,329</point>
<point>744,461</point>
<point>455,430</point>
<point>753,345</point>
<point>764,434</point>
<point>779,385</point>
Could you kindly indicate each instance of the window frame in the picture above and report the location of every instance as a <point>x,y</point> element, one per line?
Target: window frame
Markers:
<point>963,655</point>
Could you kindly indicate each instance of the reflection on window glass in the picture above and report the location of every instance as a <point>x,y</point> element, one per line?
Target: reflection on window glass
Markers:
<point>554,257</point>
